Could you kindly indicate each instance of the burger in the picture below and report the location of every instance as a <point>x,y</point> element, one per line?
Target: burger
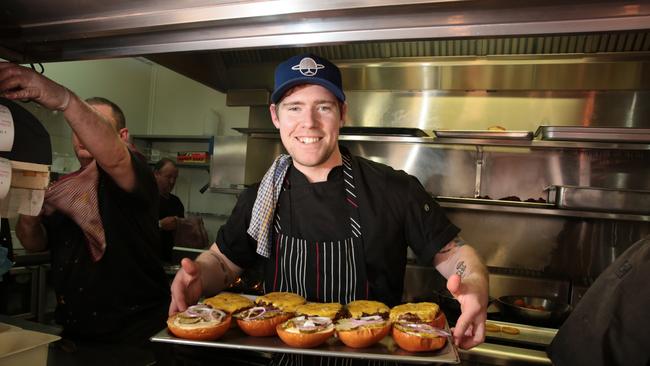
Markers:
<point>332,310</point>
<point>419,327</point>
<point>268,311</point>
<point>229,302</point>
<point>313,325</point>
<point>199,322</point>
<point>366,323</point>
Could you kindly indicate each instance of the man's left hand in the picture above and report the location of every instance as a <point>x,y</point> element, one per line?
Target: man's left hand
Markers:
<point>473,298</point>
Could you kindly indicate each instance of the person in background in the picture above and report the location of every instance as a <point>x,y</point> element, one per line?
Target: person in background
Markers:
<point>171,207</point>
<point>322,216</point>
<point>100,223</point>
<point>610,325</point>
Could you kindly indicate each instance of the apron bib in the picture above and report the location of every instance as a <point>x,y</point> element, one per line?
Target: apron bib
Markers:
<point>322,271</point>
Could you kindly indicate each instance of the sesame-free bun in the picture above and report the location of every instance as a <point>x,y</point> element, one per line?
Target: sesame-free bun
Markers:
<point>417,327</point>
<point>416,343</point>
<point>209,331</point>
<point>294,338</point>
<point>263,327</point>
<point>363,336</point>
<point>366,324</point>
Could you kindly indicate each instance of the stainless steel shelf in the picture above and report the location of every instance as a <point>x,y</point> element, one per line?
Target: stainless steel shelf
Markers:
<point>534,144</point>
<point>544,144</point>
<point>543,211</point>
<point>174,138</point>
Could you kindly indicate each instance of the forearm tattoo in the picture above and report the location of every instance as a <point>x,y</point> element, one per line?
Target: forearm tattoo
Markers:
<point>455,243</point>
<point>460,268</point>
<point>228,275</point>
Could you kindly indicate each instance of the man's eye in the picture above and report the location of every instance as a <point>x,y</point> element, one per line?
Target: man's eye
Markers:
<point>324,108</point>
<point>294,109</point>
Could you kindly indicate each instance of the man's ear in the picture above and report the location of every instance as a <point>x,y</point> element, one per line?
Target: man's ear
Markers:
<point>344,113</point>
<point>274,115</point>
<point>124,134</point>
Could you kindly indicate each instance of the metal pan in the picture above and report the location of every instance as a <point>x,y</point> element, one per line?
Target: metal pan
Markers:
<point>534,310</point>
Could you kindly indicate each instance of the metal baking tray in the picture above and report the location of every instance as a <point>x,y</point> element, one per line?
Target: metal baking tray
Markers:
<point>598,134</point>
<point>599,199</point>
<point>530,335</point>
<point>386,349</point>
<point>484,134</point>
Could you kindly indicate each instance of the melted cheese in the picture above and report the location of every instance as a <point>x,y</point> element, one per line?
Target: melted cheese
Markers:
<point>285,301</point>
<point>229,302</point>
<point>328,310</point>
<point>360,307</point>
<point>426,311</point>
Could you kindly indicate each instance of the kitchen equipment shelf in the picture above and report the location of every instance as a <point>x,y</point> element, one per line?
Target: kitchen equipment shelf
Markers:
<point>485,134</point>
<point>149,140</point>
<point>532,144</point>
<point>507,207</point>
<point>598,134</point>
<point>175,138</point>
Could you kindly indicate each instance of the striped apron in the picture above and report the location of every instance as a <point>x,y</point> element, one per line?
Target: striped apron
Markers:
<point>322,271</point>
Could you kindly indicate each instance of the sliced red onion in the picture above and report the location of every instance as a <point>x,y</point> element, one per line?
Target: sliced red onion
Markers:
<point>353,323</point>
<point>256,313</point>
<point>205,312</point>
<point>311,324</point>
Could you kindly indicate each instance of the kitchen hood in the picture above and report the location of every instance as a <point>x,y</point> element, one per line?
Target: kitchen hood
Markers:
<point>213,41</point>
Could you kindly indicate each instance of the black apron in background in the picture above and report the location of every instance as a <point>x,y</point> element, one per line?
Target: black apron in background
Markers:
<point>611,324</point>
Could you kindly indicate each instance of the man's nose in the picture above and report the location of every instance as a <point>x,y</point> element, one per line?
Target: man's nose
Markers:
<point>310,119</point>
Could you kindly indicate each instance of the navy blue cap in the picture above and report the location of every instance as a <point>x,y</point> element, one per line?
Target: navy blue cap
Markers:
<point>307,69</point>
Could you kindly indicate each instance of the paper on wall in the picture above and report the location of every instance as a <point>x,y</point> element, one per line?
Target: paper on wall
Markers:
<point>22,201</point>
<point>6,129</point>
<point>5,177</point>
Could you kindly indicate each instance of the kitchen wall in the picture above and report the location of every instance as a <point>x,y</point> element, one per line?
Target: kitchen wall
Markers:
<point>155,100</point>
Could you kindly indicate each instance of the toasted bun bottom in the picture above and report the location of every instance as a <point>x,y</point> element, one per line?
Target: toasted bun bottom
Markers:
<point>303,340</point>
<point>262,327</point>
<point>414,343</point>
<point>363,336</point>
<point>207,333</point>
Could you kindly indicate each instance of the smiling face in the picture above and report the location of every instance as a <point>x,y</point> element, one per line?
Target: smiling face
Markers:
<point>309,118</point>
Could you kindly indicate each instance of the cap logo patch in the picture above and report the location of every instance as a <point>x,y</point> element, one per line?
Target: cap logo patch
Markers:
<point>308,66</point>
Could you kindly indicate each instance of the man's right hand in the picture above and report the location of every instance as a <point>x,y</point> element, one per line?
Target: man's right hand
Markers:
<point>186,287</point>
<point>18,82</point>
<point>168,223</point>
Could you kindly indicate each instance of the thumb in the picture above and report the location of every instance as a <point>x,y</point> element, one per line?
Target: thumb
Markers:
<point>453,284</point>
<point>190,267</point>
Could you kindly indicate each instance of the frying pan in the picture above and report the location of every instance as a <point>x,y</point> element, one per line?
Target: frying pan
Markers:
<point>534,310</point>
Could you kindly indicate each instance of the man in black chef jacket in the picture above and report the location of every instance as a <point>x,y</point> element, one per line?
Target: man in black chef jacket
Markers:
<point>171,207</point>
<point>331,226</point>
<point>99,223</point>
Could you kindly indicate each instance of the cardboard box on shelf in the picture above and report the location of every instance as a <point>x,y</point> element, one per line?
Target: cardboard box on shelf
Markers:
<point>192,157</point>
<point>20,347</point>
